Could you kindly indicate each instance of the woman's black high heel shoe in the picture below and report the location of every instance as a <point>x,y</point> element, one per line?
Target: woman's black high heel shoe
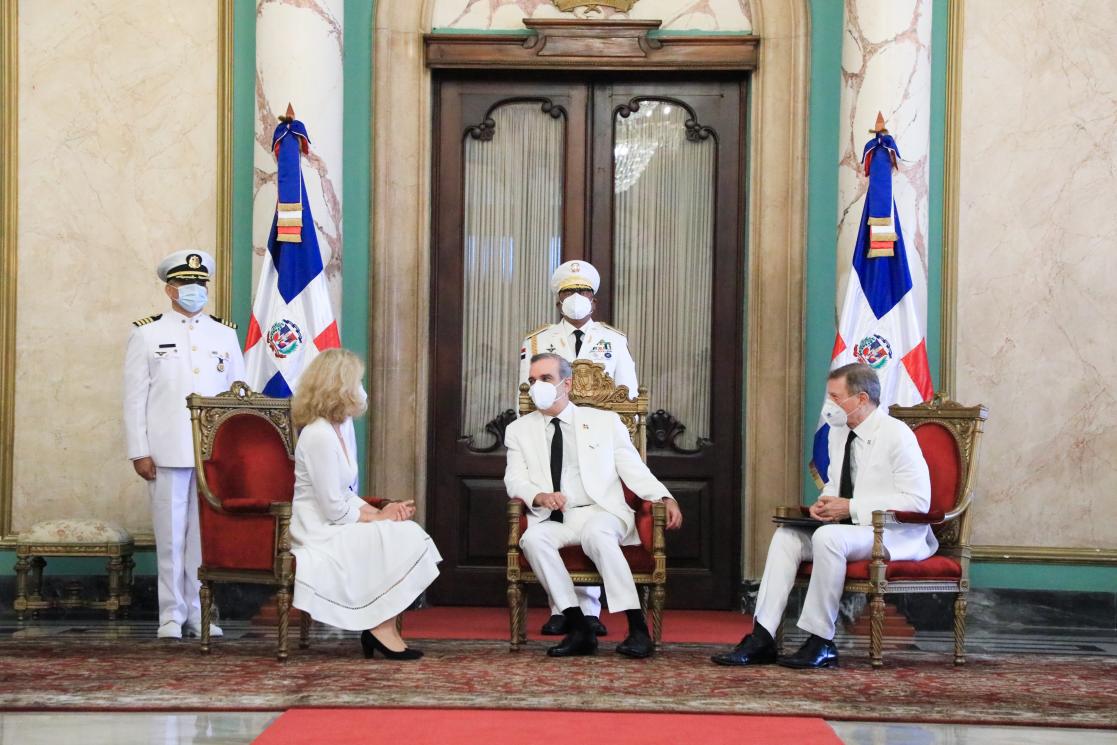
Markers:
<point>370,644</point>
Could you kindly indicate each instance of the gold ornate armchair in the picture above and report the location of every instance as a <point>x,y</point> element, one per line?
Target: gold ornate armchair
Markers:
<point>244,449</point>
<point>948,434</point>
<point>648,559</point>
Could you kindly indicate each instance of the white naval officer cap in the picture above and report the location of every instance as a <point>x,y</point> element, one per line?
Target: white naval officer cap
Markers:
<point>188,264</point>
<point>575,275</point>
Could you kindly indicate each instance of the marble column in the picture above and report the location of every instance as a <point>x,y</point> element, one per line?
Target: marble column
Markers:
<point>299,46</point>
<point>886,67</point>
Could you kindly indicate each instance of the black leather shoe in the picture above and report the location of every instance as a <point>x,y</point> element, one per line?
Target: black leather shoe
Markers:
<point>758,648</point>
<point>370,645</point>
<point>578,643</point>
<point>637,644</point>
<point>816,652</point>
<point>555,626</point>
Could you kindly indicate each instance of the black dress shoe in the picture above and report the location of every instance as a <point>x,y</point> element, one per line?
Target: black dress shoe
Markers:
<point>758,648</point>
<point>556,626</point>
<point>579,642</point>
<point>637,644</point>
<point>371,645</point>
<point>816,652</point>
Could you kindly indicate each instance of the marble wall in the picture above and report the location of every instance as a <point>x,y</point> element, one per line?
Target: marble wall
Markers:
<point>703,15</point>
<point>1037,273</point>
<point>117,168</point>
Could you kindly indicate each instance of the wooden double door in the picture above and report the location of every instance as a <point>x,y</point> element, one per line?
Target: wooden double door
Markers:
<point>644,179</point>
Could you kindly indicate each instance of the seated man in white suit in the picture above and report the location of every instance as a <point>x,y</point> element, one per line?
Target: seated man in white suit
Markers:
<point>875,464</point>
<point>567,463</point>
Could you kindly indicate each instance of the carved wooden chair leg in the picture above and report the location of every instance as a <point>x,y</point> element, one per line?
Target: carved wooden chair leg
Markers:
<point>876,629</point>
<point>304,630</point>
<point>960,629</point>
<point>116,571</point>
<point>659,597</point>
<point>38,563</point>
<point>205,595</point>
<point>523,617</point>
<point>283,602</point>
<point>20,605</point>
<point>399,624</point>
<point>126,586</point>
<point>515,617</point>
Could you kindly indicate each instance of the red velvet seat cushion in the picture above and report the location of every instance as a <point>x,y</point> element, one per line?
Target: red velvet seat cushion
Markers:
<point>639,557</point>
<point>940,568</point>
<point>247,471</point>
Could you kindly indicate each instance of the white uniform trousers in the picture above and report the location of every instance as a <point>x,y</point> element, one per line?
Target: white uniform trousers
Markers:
<point>589,600</point>
<point>178,547</point>
<point>600,534</point>
<point>829,547</point>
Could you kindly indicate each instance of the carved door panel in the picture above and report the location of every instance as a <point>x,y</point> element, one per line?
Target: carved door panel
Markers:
<point>643,179</point>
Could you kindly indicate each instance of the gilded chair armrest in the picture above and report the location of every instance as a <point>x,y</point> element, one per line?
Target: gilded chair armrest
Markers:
<point>659,527</point>
<point>515,513</point>
<point>933,517</point>
<point>280,509</point>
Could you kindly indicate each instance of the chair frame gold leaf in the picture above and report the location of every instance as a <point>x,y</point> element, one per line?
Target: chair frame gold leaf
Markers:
<point>592,387</point>
<point>207,414</point>
<point>966,425</point>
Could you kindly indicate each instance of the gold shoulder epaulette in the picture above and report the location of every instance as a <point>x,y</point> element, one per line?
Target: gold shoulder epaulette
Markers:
<point>539,330</point>
<point>221,320</point>
<point>614,330</point>
<point>149,319</point>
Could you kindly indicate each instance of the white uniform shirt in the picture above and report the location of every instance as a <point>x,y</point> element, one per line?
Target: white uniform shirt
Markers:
<point>572,487</point>
<point>168,359</point>
<point>601,344</point>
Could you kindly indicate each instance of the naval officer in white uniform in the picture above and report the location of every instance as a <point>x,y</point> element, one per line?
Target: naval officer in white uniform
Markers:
<point>170,356</point>
<point>578,337</point>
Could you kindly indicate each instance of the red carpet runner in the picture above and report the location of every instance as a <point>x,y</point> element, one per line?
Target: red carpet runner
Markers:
<point>492,727</point>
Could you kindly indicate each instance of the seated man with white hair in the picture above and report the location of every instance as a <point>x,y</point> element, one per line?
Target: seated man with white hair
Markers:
<point>879,466</point>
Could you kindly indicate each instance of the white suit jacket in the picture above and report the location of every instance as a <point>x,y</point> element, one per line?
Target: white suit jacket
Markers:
<point>169,357</point>
<point>606,458</point>
<point>891,474</point>
<point>602,344</point>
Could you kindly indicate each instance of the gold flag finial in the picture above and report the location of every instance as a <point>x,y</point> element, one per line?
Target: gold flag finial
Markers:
<point>880,128</point>
<point>289,116</point>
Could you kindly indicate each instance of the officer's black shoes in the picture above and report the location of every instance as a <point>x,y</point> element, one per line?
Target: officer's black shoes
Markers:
<point>556,626</point>
<point>816,652</point>
<point>579,640</point>
<point>637,644</point>
<point>758,648</point>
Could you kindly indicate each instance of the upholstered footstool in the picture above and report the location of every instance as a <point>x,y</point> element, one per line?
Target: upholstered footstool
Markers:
<point>80,538</point>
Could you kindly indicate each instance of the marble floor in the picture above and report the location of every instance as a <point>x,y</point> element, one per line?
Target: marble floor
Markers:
<point>233,728</point>
<point>237,728</point>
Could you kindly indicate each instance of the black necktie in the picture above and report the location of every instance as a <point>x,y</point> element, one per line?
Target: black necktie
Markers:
<point>556,466</point>
<point>845,490</point>
<point>578,334</point>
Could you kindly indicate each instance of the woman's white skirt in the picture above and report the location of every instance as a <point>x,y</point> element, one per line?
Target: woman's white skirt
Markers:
<point>362,574</point>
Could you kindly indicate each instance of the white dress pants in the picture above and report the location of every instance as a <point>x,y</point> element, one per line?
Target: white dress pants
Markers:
<point>178,547</point>
<point>829,547</point>
<point>599,533</point>
<point>589,600</point>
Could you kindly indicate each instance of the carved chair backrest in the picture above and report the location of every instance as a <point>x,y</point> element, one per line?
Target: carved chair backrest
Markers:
<point>949,434</point>
<point>251,415</point>
<point>592,386</point>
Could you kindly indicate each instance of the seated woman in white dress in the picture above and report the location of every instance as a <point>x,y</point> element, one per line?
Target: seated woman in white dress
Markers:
<point>357,567</point>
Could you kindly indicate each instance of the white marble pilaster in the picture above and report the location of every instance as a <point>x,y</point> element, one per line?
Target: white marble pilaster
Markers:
<point>299,55</point>
<point>886,67</point>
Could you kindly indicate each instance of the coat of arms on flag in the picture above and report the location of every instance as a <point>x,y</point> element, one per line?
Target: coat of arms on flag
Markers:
<point>879,324</point>
<point>292,320</point>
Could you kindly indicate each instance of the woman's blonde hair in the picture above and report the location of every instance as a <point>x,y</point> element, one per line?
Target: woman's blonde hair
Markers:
<point>328,388</point>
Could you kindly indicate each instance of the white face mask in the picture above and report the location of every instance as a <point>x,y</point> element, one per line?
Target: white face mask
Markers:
<point>576,307</point>
<point>834,414</point>
<point>192,298</point>
<point>362,395</point>
<point>543,394</point>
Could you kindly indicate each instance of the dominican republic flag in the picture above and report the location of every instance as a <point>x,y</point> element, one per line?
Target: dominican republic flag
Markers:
<point>292,320</point>
<point>880,323</point>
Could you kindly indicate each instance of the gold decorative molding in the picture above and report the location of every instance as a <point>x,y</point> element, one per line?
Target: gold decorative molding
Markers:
<point>569,6</point>
<point>952,163</point>
<point>223,248</point>
<point>9,276</point>
<point>1045,555</point>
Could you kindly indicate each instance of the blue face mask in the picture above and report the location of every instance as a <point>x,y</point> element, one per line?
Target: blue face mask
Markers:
<point>192,298</point>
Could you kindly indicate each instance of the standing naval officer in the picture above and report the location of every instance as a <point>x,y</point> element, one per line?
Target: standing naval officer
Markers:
<point>170,356</point>
<point>578,337</point>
